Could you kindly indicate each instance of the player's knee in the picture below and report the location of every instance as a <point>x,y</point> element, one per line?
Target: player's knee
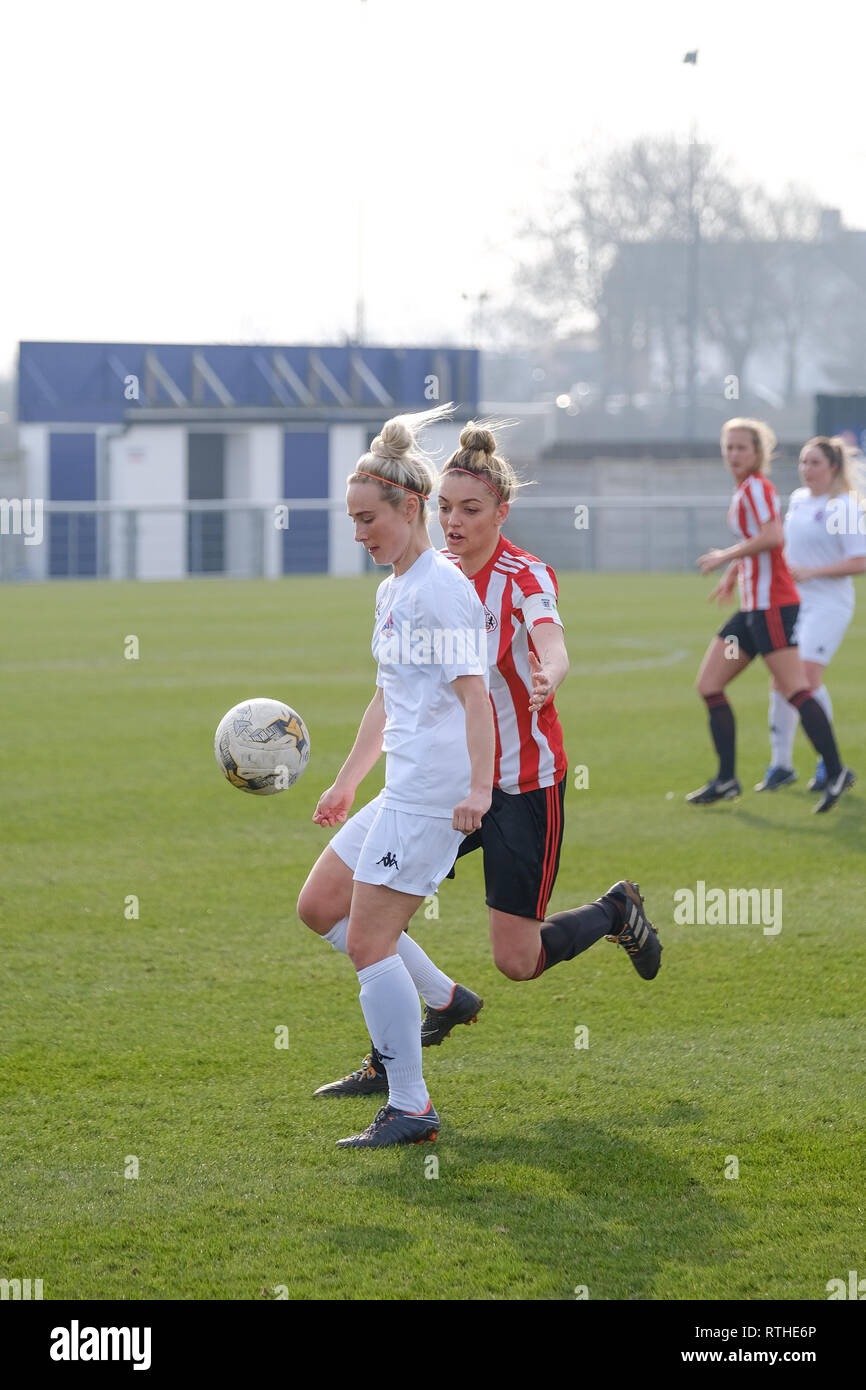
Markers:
<point>513,967</point>
<point>310,911</point>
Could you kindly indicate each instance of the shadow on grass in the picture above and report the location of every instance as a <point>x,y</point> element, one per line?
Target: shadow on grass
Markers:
<point>848,818</point>
<point>570,1205</point>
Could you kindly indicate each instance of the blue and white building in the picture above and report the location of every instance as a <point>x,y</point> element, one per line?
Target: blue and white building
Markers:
<point>160,461</point>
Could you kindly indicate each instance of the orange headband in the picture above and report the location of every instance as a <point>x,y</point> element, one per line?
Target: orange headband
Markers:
<point>387,482</point>
<point>455,469</point>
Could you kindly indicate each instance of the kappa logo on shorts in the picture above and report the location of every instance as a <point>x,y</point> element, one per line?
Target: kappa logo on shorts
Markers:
<point>388,861</point>
<point>490,620</point>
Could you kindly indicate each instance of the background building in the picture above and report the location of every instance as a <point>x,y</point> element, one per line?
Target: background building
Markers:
<point>160,461</point>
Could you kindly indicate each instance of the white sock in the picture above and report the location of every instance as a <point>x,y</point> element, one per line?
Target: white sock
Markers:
<point>393,1016</point>
<point>784,719</point>
<point>337,935</point>
<point>434,986</point>
<point>822,695</point>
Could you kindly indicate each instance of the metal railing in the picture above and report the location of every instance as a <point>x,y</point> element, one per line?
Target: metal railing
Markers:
<point>248,539</point>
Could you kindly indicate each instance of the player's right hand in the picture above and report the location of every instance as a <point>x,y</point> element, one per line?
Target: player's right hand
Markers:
<point>467,816</point>
<point>334,806</point>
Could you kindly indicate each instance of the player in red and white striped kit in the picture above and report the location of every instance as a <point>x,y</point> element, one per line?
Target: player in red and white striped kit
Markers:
<point>521,835</point>
<point>764,625</point>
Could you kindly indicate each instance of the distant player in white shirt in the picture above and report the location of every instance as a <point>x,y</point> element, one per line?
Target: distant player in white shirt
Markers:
<point>825,544</point>
<point>431,714</point>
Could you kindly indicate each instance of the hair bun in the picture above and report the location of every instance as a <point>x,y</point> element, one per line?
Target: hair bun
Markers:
<point>477,440</point>
<point>394,442</point>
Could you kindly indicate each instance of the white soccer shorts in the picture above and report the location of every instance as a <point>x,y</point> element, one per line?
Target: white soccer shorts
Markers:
<point>396,849</point>
<point>819,630</point>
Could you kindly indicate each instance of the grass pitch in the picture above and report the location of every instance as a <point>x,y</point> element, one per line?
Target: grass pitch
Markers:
<point>148,1044</point>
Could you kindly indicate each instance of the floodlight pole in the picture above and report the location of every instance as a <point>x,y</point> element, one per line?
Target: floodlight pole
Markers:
<point>360,314</point>
<point>692,306</point>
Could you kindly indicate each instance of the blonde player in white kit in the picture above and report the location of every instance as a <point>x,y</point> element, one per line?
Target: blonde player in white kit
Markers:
<point>431,715</point>
<point>825,544</point>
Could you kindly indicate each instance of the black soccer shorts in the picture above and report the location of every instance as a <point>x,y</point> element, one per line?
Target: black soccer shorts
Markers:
<point>763,630</point>
<point>521,837</point>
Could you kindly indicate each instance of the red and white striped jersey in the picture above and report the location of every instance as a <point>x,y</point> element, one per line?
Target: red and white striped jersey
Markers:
<point>765,580</point>
<point>518,592</point>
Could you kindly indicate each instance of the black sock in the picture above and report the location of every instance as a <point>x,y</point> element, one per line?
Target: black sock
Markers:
<point>723,731</point>
<point>566,934</point>
<point>818,730</point>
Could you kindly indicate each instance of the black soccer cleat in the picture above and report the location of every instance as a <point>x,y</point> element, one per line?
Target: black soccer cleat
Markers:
<point>834,790</point>
<point>715,791</point>
<point>392,1126</point>
<point>436,1024</point>
<point>370,1078</point>
<point>776,777</point>
<point>637,934</point>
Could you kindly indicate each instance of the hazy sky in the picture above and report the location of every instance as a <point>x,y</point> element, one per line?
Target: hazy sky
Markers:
<point>188,171</point>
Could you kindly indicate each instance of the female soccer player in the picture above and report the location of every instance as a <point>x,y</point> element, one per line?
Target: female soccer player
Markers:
<point>431,713</point>
<point>824,546</point>
<point>521,834</point>
<point>764,626</point>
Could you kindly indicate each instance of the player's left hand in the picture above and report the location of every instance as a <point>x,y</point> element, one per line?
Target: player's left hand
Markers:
<point>800,573</point>
<point>467,816</point>
<point>724,589</point>
<point>712,560</point>
<point>542,686</point>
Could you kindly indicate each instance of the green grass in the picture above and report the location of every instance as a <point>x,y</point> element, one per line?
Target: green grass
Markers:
<point>558,1167</point>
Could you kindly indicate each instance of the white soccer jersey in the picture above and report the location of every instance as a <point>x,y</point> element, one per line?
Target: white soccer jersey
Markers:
<point>429,630</point>
<point>821,531</point>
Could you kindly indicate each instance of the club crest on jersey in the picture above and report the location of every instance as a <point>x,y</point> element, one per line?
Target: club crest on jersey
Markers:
<point>491,622</point>
<point>388,625</point>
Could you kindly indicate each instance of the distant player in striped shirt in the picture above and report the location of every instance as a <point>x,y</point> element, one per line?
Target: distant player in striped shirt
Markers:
<point>521,835</point>
<point>764,626</point>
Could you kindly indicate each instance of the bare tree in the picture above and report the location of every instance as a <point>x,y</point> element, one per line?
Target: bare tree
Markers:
<point>580,267</point>
<point>789,226</point>
<point>841,322</point>
<point>613,252</point>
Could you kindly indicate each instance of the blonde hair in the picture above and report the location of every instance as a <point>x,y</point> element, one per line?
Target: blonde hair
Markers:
<point>849,475</point>
<point>763,439</point>
<point>396,460</point>
<point>477,454</point>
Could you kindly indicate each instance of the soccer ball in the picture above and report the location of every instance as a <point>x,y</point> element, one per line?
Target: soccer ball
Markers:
<point>262,746</point>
